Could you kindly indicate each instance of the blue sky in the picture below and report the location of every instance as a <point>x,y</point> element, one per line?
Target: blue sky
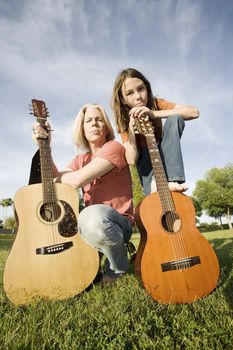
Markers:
<point>69,52</point>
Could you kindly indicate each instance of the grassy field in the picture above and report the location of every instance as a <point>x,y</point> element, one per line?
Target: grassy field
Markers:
<point>122,315</point>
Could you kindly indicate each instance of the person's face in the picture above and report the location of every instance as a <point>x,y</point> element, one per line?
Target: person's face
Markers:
<point>95,129</point>
<point>134,92</point>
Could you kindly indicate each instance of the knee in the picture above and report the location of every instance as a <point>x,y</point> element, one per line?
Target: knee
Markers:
<point>92,224</point>
<point>174,123</point>
<point>175,119</point>
<point>89,217</point>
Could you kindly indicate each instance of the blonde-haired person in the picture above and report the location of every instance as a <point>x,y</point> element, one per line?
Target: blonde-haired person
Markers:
<point>78,131</point>
<point>133,98</point>
<point>103,174</point>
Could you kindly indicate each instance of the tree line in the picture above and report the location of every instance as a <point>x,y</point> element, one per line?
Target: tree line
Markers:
<point>214,194</point>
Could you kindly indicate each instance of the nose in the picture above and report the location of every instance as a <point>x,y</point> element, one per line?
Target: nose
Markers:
<point>94,122</point>
<point>138,95</point>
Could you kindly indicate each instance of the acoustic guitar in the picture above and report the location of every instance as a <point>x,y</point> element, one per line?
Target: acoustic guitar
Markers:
<point>48,258</point>
<point>175,263</point>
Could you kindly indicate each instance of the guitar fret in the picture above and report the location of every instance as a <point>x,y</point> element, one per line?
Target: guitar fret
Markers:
<point>159,173</point>
<point>48,186</point>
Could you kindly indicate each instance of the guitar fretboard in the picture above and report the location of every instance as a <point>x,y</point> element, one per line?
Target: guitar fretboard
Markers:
<point>49,195</point>
<point>159,173</point>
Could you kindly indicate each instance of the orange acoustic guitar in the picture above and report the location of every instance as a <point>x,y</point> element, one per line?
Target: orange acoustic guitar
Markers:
<point>175,263</point>
<point>48,258</point>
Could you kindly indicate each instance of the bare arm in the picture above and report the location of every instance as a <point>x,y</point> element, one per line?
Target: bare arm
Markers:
<point>187,112</point>
<point>96,168</point>
<point>79,178</point>
<point>131,150</point>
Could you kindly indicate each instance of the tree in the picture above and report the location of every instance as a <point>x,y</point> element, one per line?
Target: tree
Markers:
<point>197,206</point>
<point>215,193</point>
<point>138,194</point>
<point>5,203</point>
<point>10,223</point>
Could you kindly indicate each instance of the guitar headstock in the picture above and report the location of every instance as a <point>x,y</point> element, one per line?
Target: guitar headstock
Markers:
<point>40,111</point>
<point>143,126</point>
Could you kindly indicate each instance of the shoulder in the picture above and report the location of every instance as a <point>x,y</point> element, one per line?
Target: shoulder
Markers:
<point>164,104</point>
<point>114,152</point>
<point>79,161</point>
<point>114,146</point>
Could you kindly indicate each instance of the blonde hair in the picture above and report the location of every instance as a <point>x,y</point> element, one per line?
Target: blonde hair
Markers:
<point>78,130</point>
<point>121,111</point>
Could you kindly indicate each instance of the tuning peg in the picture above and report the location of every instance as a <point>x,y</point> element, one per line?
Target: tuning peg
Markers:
<point>30,109</point>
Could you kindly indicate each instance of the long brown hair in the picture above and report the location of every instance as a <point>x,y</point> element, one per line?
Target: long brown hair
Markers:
<point>121,111</point>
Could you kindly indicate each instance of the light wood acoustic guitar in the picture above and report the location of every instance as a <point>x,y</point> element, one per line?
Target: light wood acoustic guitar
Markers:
<point>48,258</point>
<point>175,263</point>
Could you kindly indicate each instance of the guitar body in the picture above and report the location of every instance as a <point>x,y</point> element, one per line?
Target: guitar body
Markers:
<point>178,266</point>
<point>48,258</point>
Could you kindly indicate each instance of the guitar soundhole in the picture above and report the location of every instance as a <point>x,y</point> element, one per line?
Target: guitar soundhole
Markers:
<point>50,212</point>
<point>171,222</point>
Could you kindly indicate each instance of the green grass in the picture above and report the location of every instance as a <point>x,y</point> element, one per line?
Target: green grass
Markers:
<point>122,315</point>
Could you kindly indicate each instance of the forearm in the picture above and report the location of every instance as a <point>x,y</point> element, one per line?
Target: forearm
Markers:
<point>131,153</point>
<point>187,112</point>
<point>83,176</point>
<point>71,178</point>
<point>131,150</point>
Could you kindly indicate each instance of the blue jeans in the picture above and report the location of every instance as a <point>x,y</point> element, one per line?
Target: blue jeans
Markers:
<point>170,153</point>
<point>105,229</point>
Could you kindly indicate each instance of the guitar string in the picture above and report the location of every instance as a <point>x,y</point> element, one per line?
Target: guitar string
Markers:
<point>161,192</point>
<point>171,218</point>
<point>53,197</point>
<point>157,172</point>
<point>177,240</point>
<point>176,237</point>
<point>50,204</point>
<point>152,147</point>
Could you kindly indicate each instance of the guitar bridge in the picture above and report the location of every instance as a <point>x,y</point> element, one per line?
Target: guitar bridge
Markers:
<point>180,264</point>
<point>54,249</point>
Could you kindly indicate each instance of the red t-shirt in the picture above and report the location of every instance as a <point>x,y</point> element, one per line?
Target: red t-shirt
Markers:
<point>113,188</point>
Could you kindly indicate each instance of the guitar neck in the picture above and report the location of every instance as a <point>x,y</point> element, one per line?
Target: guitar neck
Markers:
<point>159,173</point>
<point>49,195</point>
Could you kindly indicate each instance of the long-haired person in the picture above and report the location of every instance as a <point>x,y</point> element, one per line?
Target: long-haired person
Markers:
<point>133,98</point>
<point>103,174</point>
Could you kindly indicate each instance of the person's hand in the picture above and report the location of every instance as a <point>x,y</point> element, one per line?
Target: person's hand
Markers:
<point>38,132</point>
<point>137,115</point>
<point>132,123</point>
<point>140,112</point>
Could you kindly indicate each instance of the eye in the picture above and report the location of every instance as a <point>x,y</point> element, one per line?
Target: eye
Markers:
<point>128,93</point>
<point>141,88</point>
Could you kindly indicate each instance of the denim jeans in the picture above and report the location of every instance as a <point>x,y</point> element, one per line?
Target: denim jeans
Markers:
<point>170,153</point>
<point>105,229</point>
